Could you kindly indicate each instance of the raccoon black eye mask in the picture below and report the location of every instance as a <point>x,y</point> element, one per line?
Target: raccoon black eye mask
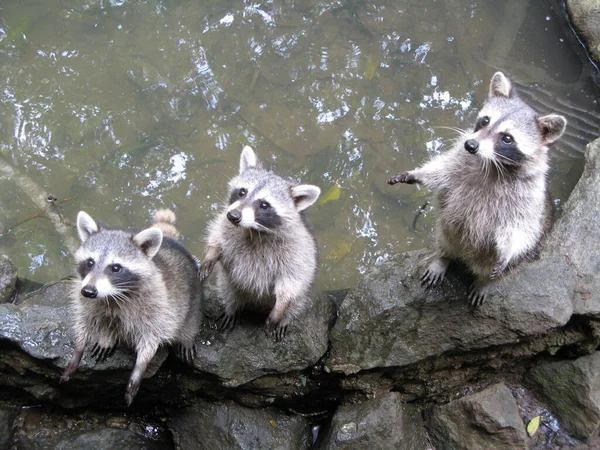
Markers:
<point>264,255</point>
<point>493,204</point>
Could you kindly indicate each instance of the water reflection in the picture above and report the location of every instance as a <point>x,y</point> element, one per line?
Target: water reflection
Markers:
<point>132,106</point>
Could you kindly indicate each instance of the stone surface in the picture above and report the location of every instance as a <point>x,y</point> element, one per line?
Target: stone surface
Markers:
<point>487,420</point>
<point>246,352</point>
<point>106,439</point>
<point>388,319</point>
<point>572,391</point>
<point>7,417</point>
<point>585,15</point>
<point>217,426</point>
<point>8,279</point>
<point>378,424</point>
<point>568,248</point>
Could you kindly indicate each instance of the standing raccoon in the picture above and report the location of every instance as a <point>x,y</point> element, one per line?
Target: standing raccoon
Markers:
<point>134,288</point>
<point>493,202</point>
<point>267,255</point>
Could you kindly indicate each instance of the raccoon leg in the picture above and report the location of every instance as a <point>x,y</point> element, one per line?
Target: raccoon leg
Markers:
<point>74,362</point>
<point>144,356</point>
<point>402,177</point>
<point>510,246</point>
<point>213,253</point>
<point>435,272</point>
<point>477,293</point>
<point>288,303</point>
<point>233,305</point>
<point>433,174</point>
<point>104,347</point>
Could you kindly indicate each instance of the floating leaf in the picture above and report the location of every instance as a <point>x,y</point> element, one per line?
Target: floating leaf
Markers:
<point>333,193</point>
<point>370,69</point>
<point>533,425</point>
<point>337,253</point>
<point>273,423</point>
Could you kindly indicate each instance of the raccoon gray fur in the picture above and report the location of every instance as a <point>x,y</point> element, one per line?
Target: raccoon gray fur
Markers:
<point>134,288</point>
<point>267,256</point>
<point>492,197</point>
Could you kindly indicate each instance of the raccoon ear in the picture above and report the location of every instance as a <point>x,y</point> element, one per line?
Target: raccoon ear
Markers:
<point>85,226</point>
<point>149,240</point>
<point>248,159</point>
<point>500,86</point>
<point>552,127</point>
<point>305,195</point>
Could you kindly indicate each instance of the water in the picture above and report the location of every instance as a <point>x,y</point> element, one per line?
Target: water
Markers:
<point>122,107</point>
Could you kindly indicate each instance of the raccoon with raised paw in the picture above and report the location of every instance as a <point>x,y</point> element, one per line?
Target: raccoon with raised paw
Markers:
<point>266,255</point>
<point>134,288</point>
<point>492,197</point>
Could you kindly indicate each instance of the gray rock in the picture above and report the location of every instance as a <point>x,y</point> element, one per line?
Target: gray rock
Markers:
<point>379,424</point>
<point>106,439</point>
<point>246,352</point>
<point>572,246</point>
<point>8,279</point>
<point>7,418</point>
<point>388,319</point>
<point>572,390</point>
<point>585,15</point>
<point>217,426</point>
<point>487,420</point>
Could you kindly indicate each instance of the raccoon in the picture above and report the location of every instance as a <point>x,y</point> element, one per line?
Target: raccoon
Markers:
<point>492,197</point>
<point>267,255</point>
<point>135,288</point>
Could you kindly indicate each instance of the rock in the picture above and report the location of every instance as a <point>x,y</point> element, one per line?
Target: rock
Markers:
<point>8,279</point>
<point>217,426</point>
<point>7,418</point>
<point>388,319</point>
<point>246,352</point>
<point>487,420</point>
<point>106,439</point>
<point>585,15</point>
<point>572,390</point>
<point>568,247</point>
<point>379,424</point>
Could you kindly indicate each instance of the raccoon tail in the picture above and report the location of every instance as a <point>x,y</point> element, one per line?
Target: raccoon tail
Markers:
<point>165,220</point>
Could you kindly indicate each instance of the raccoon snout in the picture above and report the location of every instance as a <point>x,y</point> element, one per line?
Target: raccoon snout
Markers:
<point>471,145</point>
<point>89,292</point>
<point>234,216</point>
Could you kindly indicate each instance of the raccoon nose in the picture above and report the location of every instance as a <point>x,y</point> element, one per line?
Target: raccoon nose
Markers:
<point>471,145</point>
<point>89,292</point>
<point>234,216</point>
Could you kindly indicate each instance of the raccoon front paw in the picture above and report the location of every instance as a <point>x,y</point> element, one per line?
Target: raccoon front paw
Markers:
<point>227,321</point>
<point>431,278</point>
<point>476,297</point>
<point>206,269</point>
<point>497,271</point>
<point>402,177</point>
<point>100,353</point>
<point>276,329</point>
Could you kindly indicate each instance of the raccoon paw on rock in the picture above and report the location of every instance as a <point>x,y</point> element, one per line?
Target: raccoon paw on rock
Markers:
<point>100,353</point>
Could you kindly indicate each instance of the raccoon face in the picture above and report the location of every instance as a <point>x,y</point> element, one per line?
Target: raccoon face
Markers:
<point>508,131</point>
<point>263,201</point>
<point>111,264</point>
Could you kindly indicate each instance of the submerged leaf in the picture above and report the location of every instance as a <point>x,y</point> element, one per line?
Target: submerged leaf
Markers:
<point>533,425</point>
<point>370,69</point>
<point>337,253</point>
<point>333,193</point>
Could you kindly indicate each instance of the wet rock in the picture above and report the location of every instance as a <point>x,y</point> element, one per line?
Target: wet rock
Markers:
<point>486,420</point>
<point>217,426</point>
<point>585,15</point>
<point>106,439</point>
<point>572,390</point>
<point>8,279</point>
<point>246,352</point>
<point>381,423</point>
<point>388,319</point>
<point>7,417</point>
<point>568,248</point>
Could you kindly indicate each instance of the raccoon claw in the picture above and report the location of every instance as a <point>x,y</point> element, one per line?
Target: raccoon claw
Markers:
<point>276,330</point>
<point>431,279</point>
<point>402,177</point>
<point>496,271</point>
<point>476,297</point>
<point>205,270</point>
<point>130,393</point>
<point>101,353</point>
<point>188,354</point>
<point>226,321</point>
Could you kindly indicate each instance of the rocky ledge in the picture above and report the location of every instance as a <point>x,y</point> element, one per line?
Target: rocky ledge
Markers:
<point>391,365</point>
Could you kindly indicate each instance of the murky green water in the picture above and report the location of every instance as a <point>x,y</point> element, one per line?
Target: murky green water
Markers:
<point>122,107</point>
